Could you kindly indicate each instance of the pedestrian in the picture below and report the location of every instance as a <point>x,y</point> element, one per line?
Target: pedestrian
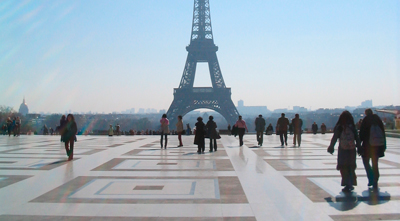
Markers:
<point>188,130</point>
<point>117,130</point>
<point>323,128</point>
<point>283,124</point>
<point>345,131</point>
<point>179,129</point>
<point>69,136</point>
<point>270,130</point>
<point>241,128</point>
<point>110,131</point>
<point>314,128</point>
<point>229,129</point>
<point>290,128</point>
<point>199,135</point>
<point>14,126</point>
<point>372,135</point>
<point>212,134</point>
<point>164,130</point>
<point>9,125</point>
<point>18,126</point>
<point>297,129</point>
<point>260,127</point>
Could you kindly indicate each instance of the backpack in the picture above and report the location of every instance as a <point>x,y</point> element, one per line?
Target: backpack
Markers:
<point>346,139</point>
<point>376,136</point>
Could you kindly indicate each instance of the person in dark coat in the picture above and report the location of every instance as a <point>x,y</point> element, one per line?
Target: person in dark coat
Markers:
<point>212,133</point>
<point>346,160</point>
<point>69,136</point>
<point>260,127</point>
<point>373,152</point>
<point>269,130</point>
<point>282,127</point>
<point>199,136</point>
<point>314,128</point>
<point>63,124</point>
<point>297,128</point>
<point>323,128</point>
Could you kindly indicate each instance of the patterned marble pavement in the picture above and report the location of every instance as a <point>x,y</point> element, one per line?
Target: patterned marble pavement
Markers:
<point>131,178</point>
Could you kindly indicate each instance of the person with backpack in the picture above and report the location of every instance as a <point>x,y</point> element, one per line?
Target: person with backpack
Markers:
<point>372,135</point>
<point>345,131</point>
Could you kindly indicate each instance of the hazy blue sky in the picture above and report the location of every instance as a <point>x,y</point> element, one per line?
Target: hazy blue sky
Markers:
<point>103,55</point>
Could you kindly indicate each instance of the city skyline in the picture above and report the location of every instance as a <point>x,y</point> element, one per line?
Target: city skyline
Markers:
<point>66,55</point>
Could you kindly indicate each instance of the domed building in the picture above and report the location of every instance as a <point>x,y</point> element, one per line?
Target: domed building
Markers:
<point>23,108</point>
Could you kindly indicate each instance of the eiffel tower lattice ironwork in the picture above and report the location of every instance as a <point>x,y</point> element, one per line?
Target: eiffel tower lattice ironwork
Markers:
<point>202,49</point>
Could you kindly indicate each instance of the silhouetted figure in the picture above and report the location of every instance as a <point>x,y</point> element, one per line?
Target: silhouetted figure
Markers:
<point>260,127</point>
<point>110,131</point>
<point>314,128</point>
<point>164,130</point>
<point>323,128</point>
<point>297,128</point>
<point>241,128</point>
<point>9,125</point>
<point>282,124</point>
<point>290,128</point>
<point>188,130</point>
<point>199,135</point>
<point>117,130</point>
<point>69,136</point>
<point>345,131</point>
<point>229,130</point>
<point>179,129</point>
<point>212,133</point>
<point>372,135</point>
<point>269,130</point>
<point>45,130</point>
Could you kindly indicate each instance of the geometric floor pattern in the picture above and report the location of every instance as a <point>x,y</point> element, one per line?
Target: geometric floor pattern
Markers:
<point>131,178</point>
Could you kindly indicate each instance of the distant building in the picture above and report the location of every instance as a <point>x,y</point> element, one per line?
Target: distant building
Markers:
<point>251,110</point>
<point>366,104</point>
<point>23,108</point>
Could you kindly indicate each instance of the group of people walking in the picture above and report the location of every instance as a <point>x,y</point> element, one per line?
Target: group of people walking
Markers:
<point>369,143</point>
<point>12,126</point>
<point>202,131</point>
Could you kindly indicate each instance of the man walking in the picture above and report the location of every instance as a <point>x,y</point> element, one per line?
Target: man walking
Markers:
<point>297,127</point>
<point>372,135</point>
<point>260,127</point>
<point>282,125</point>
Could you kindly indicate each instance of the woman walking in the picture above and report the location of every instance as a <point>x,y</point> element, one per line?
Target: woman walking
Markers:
<point>241,125</point>
<point>179,129</point>
<point>212,133</point>
<point>345,131</point>
<point>69,136</point>
<point>199,136</point>
<point>164,130</point>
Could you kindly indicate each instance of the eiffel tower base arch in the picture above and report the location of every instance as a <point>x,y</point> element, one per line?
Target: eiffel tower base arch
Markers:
<point>189,99</point>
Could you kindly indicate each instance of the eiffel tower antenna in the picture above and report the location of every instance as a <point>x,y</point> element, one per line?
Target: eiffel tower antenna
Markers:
<point>202,49</point>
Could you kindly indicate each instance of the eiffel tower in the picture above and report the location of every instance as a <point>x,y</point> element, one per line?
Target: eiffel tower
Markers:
<point>202,49</point>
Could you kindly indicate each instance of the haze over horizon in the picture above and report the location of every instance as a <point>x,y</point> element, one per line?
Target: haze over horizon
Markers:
<point>105,56</point>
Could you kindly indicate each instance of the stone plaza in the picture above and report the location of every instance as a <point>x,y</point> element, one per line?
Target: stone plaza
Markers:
<point>131,178</point>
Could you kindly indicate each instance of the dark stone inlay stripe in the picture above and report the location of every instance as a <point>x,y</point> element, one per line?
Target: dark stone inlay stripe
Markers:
<point>366,217</point>
<point>115,145</point>
<point>120,218</point>
<point>167,163</point>
<point>148,188</point>
<point>231,192</point>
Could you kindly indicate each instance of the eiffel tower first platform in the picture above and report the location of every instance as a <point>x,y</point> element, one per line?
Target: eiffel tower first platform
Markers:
<point>202,49</point>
